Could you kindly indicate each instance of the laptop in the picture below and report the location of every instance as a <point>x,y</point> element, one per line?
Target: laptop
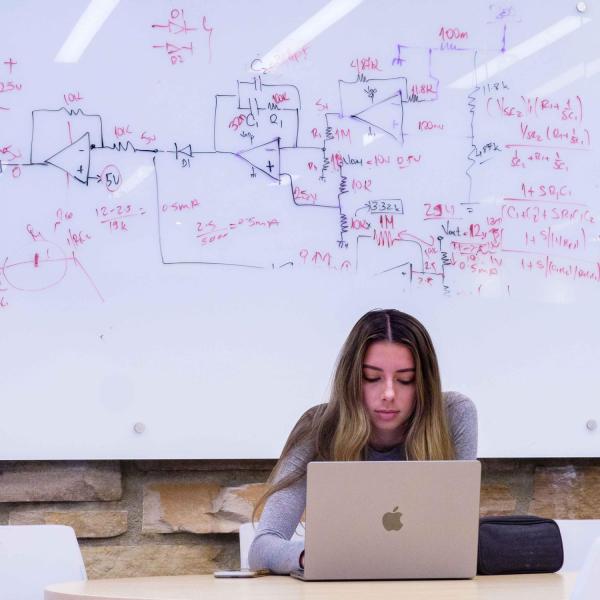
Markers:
<point>391,520</point>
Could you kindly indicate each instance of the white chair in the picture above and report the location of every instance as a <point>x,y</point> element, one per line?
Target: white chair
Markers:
<point>578,535</point>
<point>247,533</point>
<point>35,556</point>
<point>587,585</point>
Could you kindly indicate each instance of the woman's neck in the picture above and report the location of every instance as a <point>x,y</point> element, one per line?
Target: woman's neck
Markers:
<point>385,440</point>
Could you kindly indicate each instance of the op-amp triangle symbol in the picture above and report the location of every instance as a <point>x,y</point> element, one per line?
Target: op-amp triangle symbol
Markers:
<point>74,159</point>
<point>385,115</point>
<point>265,158</point>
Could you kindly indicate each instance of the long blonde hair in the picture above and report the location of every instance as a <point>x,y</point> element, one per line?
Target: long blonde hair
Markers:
<point>340,430</point>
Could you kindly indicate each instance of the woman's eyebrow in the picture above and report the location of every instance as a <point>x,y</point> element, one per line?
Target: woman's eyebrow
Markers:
<point>365,366</point>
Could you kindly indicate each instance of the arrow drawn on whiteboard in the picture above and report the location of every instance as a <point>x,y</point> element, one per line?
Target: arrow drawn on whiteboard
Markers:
<point>404,234</point>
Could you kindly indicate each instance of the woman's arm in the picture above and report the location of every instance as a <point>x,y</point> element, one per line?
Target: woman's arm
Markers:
<point>462,421</point>
<point>272,548</point>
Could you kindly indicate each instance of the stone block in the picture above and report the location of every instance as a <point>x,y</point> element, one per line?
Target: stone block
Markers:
<point>65,481</point>
<point>237,503</point>
<point>566,492</point>
<point>86,523</point>
<point>152,560</point>
<point>497,499</point>
<point>197,507</point>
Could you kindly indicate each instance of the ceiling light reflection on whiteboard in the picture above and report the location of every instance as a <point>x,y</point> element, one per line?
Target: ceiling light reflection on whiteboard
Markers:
<point>139,175</point>
<point>584,69</point>
<point>530,46</point>
<point>330,14</point>
<point>369,138</point>
<point>85,30</point>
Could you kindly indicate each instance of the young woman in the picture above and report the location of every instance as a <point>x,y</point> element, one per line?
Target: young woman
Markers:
<point>386,404</point>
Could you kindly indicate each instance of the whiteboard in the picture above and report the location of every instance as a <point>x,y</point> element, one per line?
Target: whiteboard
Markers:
<point>198,200</point>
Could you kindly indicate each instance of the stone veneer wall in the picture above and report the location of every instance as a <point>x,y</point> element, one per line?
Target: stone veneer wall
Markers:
<point>143,518</point>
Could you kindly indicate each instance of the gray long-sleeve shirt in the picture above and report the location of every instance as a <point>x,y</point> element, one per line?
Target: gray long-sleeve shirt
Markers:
<point>273,548</point>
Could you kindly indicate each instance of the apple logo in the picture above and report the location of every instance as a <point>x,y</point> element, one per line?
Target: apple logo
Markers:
<point>391,520</point>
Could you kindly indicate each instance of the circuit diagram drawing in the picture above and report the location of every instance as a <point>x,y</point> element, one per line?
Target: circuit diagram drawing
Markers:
<point>408,173</point>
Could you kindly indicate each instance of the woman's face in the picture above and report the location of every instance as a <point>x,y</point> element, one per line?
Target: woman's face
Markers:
<point>388,390</point>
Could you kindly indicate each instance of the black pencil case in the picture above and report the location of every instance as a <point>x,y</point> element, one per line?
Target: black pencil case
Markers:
<point>518,544</point>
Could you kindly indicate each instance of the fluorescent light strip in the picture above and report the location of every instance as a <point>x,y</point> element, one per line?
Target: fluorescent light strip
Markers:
<point>85,30</point>
<point>530,46</point>
<point>308,31</point>
<point>584,69</point>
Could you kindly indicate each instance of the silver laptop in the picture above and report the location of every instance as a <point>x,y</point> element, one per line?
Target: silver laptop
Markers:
<point>391,520</point>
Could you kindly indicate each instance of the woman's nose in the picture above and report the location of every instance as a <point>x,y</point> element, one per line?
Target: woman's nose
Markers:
<point>388,391</point>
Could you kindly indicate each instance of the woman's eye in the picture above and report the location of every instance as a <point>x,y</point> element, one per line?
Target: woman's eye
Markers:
<point>406,382</point>
<point>370,378</point>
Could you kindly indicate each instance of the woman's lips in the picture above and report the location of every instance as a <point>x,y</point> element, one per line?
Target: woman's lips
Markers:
<point>386,415</point>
